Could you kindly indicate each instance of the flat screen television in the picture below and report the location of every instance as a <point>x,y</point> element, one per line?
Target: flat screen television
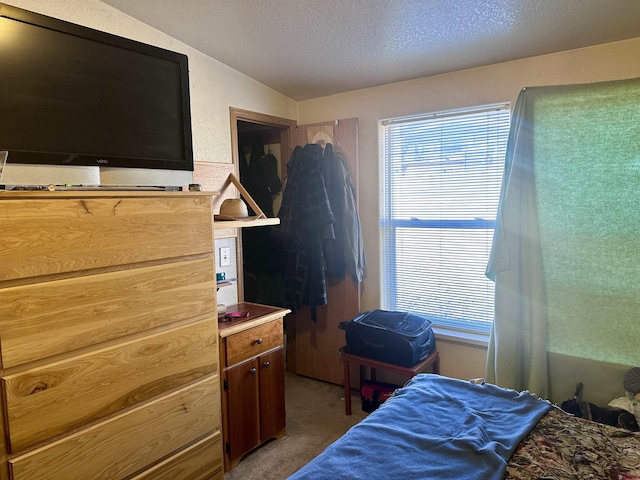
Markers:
<point>72,95</point>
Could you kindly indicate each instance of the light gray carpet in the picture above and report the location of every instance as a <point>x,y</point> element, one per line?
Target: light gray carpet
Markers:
<point>315,418</point>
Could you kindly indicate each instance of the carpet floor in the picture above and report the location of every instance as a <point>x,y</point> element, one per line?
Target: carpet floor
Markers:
<point>315,418</point>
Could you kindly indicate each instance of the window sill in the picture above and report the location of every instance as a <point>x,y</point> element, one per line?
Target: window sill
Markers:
<point>460,336</point>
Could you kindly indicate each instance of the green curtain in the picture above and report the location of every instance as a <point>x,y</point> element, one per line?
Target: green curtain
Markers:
<point>517,347</point>
<point>566,251</point>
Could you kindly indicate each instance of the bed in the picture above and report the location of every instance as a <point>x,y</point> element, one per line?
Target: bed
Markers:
<point>437,427</point>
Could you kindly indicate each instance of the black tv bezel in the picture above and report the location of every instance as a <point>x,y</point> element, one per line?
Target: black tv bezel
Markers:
<point>86,159</point>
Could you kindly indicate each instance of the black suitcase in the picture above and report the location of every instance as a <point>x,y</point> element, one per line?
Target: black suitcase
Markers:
<point>399,338</point>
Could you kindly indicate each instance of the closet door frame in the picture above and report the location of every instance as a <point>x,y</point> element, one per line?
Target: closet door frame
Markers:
<point>288,134</point>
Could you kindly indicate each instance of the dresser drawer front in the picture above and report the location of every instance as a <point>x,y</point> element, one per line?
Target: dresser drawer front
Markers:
<point>127,443</point>
<point>40,320</point>
<point>52,399</point>
<point>200,461</point>
<point>248,343</point>
<point>49,236</point>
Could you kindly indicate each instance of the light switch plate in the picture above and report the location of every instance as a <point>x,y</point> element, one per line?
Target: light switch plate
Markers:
<point>225,256</point>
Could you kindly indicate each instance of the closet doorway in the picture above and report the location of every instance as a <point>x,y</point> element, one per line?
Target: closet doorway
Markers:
<point>262,145</point>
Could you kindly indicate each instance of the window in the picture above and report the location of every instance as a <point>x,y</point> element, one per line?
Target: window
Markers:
<point>441,178</point>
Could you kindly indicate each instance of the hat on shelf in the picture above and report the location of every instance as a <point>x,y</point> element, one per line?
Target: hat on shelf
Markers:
<point>233,209</point>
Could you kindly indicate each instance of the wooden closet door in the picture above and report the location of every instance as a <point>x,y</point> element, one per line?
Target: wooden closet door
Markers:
<point>314,350</point>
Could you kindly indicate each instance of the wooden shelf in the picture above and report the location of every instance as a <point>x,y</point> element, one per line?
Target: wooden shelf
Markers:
<point>248,222</point>
<point>259,220</point>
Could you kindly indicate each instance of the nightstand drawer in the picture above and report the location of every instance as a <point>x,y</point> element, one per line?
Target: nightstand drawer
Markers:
<point>243,345</point>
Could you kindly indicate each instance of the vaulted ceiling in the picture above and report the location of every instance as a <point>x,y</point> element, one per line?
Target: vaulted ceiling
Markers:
<point>311,48</point>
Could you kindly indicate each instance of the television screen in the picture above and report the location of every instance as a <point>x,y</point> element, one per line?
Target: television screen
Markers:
<point>71,95</point>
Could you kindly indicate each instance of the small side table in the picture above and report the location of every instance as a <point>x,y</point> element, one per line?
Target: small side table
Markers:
<point>432,360</point>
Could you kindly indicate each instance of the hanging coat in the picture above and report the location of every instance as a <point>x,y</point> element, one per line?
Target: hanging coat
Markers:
<point>306,220</point>
<point>346,253</point>
<point>336,190</point>
<point>353,239</point>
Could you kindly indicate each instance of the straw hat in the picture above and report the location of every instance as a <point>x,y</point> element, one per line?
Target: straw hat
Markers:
<point>232,209</point>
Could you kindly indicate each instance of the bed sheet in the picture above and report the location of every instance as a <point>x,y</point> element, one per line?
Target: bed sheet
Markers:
<point>435,427</point>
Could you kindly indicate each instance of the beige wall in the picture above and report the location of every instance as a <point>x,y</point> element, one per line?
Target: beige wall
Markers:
<point>477,86</point>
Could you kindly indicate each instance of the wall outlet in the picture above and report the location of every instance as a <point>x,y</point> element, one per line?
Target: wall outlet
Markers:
<point>225,256</point>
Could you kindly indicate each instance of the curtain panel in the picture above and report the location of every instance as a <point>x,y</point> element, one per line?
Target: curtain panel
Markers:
<point>566,248</point>
<point>517,346</point>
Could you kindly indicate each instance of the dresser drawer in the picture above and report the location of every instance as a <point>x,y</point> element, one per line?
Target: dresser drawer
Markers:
<point>200,461</point>
<point>253,341</point>
<point>44,319</point>
<point>49,400</point>
<point>49,236</point>
<point>125,444</point>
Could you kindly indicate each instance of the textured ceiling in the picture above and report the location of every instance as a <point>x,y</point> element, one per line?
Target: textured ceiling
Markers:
<point>311,48</point>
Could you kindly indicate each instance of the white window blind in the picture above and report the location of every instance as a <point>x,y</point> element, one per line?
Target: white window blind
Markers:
<point>441,177</point>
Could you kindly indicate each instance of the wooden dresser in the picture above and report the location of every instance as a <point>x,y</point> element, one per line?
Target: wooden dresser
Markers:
<point>252,361</point>
<point>109,336</point>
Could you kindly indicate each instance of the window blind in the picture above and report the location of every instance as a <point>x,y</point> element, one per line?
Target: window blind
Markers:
<point>441,178</point>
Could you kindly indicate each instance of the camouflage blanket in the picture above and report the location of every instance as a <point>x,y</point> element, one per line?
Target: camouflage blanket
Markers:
<point>563,447</point>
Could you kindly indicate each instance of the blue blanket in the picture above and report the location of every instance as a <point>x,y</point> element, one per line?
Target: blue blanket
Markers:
<point>434,427</point>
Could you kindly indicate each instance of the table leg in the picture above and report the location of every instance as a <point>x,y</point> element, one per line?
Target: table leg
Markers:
<point>347,387</point>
